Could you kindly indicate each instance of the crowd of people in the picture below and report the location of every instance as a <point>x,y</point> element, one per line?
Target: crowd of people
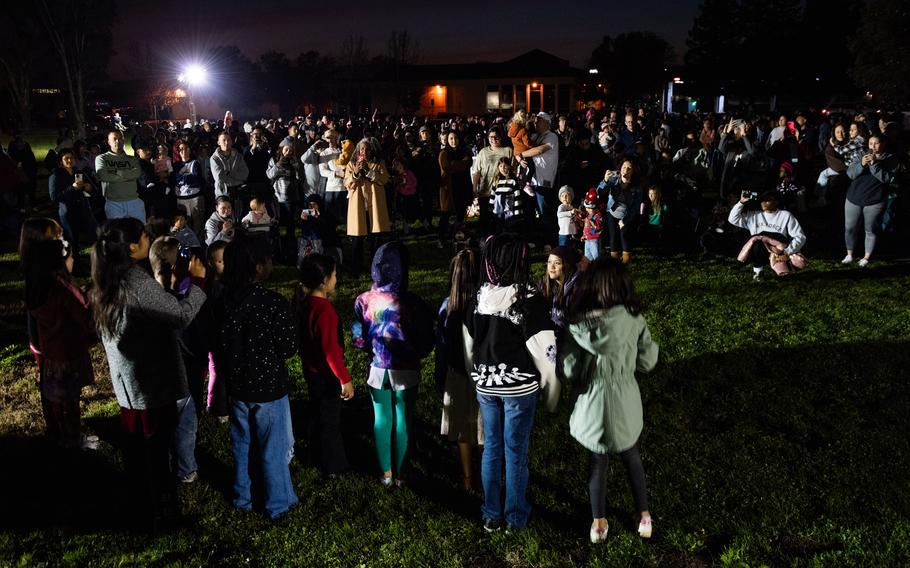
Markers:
<point>185,232</point>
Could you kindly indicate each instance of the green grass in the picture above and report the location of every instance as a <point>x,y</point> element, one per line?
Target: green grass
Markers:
<point>775,435</point>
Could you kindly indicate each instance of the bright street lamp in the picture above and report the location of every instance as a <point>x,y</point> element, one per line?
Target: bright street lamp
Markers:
<point>194,75</point>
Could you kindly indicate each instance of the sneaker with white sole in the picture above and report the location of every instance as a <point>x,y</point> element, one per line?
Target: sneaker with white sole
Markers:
<point>493,525</point>
<point>88,442</point>
<point>862,262</point>
<point>191,477</point>
<point>847,259</point>
<point>645,527</point>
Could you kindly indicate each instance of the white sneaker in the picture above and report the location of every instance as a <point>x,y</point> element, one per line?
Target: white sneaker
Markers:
<point>645,527</point>
<point>862,262</point>
<point>88,442</point>
<point>847,259</point>
<point>192,477</point>
<point>599,535</point>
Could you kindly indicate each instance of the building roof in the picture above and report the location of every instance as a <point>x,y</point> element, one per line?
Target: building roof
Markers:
<point>533,64</point>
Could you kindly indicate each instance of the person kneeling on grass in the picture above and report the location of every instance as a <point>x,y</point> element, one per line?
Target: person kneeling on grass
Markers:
<point>257,336</point>
<point>607,341</point>
<point>776,236</point>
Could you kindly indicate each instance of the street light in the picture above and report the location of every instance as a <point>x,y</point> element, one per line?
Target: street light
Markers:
<point>194,75</point>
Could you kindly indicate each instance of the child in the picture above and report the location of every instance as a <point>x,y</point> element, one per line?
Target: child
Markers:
<point>163,165</point>
<point>216,399</point>
<point>607,341</point>
<point>63,321</point>
<point>318,226</point>
<point>257,335</point>
<point>169,260</point>
<point>34,230</point>
<point>257,221</point>
<point>565,215</point>
<point>594,224</point>
<point>406,187</point>
<point>181,231</point>
<point>461,420</point>
<point>518,133</point>
<point>512,357</point>
<point>791,194</point>
<point>509,203</point>
<point>395,328</point>
<point>322,359</point>
<point>654,211</point>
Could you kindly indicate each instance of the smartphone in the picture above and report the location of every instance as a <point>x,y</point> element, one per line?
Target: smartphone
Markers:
<point>309,212</point>
<point>78,177</point>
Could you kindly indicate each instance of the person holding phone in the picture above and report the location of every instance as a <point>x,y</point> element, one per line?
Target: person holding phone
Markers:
<point>69,191</point>
<point>867,195</point>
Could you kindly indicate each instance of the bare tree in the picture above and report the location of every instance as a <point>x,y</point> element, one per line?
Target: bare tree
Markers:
<point>403,50</point>
<point>80,33</point>
<point>21,46</point>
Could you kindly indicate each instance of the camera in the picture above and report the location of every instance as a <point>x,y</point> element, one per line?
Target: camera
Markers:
<point>750,195</point>
<point>184,252</point>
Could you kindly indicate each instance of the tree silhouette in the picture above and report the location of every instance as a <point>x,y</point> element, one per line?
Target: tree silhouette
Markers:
<point>881,52</point>
<point>632,64</point>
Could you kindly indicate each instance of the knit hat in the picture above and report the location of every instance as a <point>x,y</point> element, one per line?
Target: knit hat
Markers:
<point>591,199</point>
<point>788,167</point>
<point>566,189</point>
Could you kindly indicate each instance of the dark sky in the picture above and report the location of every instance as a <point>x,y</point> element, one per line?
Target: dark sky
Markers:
<point>447,32</point>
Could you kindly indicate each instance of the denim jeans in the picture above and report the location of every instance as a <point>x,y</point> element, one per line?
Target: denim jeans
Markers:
<point>185,437</point>
<point>564,240</point>
<point>592,249</point>
<point>507,423</point>
<point>134,208</point>
<point>266,428</point>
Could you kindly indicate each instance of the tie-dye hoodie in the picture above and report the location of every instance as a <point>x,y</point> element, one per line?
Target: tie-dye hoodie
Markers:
<point>390,323</point>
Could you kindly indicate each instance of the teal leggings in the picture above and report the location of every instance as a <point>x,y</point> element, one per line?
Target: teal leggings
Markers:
<point>392,412</point>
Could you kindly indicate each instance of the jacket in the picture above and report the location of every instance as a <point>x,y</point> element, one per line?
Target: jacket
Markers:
<point>454,168</point>
<point>392,324</point>
<point>214,229</point>
<point>599,356</point>
<point>143,353</point>
<point>367,200</point>
<point>285,180</point>
<point>870,183</point>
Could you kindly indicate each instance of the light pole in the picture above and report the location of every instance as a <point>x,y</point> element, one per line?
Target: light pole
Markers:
<point>193,76</point>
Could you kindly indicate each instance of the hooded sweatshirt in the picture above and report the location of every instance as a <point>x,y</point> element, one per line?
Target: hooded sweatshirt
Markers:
<point>391,324</point>
<point>781,221</point>
<point>600,355</point>
<point>511,347</point>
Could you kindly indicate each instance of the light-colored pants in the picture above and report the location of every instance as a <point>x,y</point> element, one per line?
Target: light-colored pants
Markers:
<point>872,224</point>
<point>120,209</point>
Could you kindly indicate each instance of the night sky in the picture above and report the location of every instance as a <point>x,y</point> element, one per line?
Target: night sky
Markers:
<point>462,32</point>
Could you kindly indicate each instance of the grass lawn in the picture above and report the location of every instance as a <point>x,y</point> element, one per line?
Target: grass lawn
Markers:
<point>775,434</point>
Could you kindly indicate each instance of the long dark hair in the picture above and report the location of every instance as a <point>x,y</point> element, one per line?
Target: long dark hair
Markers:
<point>241,257</point>
<point>35,230</point>
<point>505,262</point>
<point>606,283</point>
<point>313,271</point>
<point>111,261</point>
<point>464,274</point>
<point>44,263</point>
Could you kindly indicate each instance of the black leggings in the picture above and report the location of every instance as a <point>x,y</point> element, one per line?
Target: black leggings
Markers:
<point>597,480</point>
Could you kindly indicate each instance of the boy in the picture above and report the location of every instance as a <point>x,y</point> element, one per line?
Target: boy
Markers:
<point>594,225</point>
<point>565,216</point>
<point>181,232</point>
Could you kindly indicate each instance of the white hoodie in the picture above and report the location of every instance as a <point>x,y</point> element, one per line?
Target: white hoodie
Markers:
<point>780,221</point>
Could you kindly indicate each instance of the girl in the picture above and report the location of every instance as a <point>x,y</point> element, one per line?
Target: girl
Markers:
<point>461,420</point>
<point>164,167</point>
<point>512,356</point>
<point>395,328</point>
<point>406,187</point>
<point>216,400</point>
<point>509,201</point>
<point>322,359</point>
<point>257,336</point>
<point>607,341</point>
<point>62,317</point>
<point>138,323</point>
<point>654,210</point>
<point>558,282</point>
<point>35,230</point>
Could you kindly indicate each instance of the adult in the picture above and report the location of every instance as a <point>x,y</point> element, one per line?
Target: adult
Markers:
<point>512,357</point>
<point>138,322</point>
<point>257,156</point>
<point>425,164</point>
<point>628,134</point>
<point>285,178</point>
<point>455,183</point>
<point>486,166</point>
<point>118,173</point>
<point>69,192</point>
<point>321,152</point>
<point>229,171</point>
<point>872,176</point>
<point>188,183</point>
<point>365,177</point>
<point>776,237</point>
<point>836,152</point>
<point>739,156</point>
<point>545,155</point>
<point>584,164</point>
<point>257,336</point>
<point>622,193</point>
<point>21,153</point>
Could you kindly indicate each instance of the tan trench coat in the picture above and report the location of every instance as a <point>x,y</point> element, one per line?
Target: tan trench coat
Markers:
<point>366,200</point>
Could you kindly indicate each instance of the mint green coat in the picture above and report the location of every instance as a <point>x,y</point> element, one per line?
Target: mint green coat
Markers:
<point>600,355</point>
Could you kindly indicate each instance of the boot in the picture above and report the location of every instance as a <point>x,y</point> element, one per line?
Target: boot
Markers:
<point>614,254</point>
<point>626,257</point>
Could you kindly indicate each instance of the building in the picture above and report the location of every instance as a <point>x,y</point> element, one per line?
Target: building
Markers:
<point>533,81</point>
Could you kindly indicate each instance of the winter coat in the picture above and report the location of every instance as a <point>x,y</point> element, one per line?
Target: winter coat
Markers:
<point>366,196</point>
<point>600,355</point>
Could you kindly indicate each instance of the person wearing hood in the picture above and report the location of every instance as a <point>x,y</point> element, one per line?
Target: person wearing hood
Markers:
<point>510,347</point>
<point>220,226</point>
<point>606,342</point>
<point>395,328</point>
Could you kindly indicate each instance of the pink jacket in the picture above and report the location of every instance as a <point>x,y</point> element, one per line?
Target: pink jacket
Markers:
<point>797,260</point>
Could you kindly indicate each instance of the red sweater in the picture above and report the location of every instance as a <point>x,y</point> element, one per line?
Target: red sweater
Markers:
<point>321,342</point>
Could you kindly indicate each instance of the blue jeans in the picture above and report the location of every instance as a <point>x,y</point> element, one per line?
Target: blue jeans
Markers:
<point>507,423</point>
<point>565,240</point>
<point>134,208</point>
<point>185,437</point>
<point>592,249</point>
<point>265,426</point>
